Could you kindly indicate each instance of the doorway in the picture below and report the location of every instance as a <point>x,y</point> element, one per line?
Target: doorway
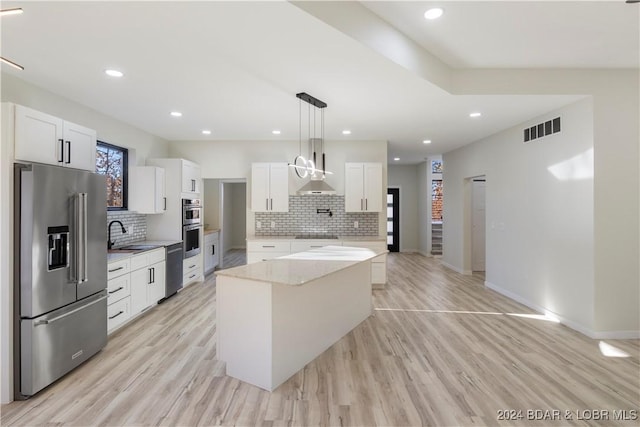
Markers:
<point>393,219</point>
<point>478,224</point>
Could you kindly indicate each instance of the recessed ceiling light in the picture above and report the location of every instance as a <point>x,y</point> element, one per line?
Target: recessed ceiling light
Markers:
<point>206,132</point>
<point>396,158</point>
<point>275,132</point>
<point>426,141</point>
<point>346,132</point>
<point>176,114</point>
<point>434,13</point>
<point>114,73</point>
<point>13,11</point>
<point>475,114</point>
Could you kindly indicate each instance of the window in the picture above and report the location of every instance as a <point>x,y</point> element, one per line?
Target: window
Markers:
<point>112,161</point>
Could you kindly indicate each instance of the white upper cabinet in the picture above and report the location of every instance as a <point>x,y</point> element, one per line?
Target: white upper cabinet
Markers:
<point>147,191</point>
<point>363,187</point>
<point>269,187</point>
<point>43,138</point>
<point>190,177</point>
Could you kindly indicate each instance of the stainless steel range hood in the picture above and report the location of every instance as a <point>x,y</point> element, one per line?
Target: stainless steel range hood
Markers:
<point>316,186</point>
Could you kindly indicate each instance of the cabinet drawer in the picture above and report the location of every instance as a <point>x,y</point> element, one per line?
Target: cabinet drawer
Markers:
<point>118,268</point>
<point>147,258</point>
<point>118,313</point>
<point>305,245</point>
<point>253,257</point>
<point>191,264</point>
<point>373,245</point>
<point>192,276</point>
<point>269,246</point>
<point>118,288</point>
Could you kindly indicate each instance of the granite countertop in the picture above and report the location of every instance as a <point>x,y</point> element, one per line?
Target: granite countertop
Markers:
<point>116,256</point>
<point>302,267</point>
<point>340,238</point>
<point>210,230</point>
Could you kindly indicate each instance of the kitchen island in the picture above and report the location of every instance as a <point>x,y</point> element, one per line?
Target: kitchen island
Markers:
<point>274,317</point>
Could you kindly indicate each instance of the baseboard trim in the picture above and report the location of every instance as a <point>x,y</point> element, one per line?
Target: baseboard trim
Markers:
<point>428,255</point>
<point>456,269</point>
<point>618,335</point>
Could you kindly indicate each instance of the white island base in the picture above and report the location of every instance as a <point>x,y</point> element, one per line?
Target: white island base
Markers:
<point>268,331</point>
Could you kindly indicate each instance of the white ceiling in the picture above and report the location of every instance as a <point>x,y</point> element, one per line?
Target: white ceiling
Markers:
<point>235,67</point>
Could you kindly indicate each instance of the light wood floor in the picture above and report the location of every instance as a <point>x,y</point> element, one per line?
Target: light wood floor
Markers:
<point>439,350</point>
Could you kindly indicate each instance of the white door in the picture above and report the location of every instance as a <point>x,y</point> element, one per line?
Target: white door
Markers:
<point>38,137</point>
<point>260,187</point>
<point>79,147</point>
<point>354,187</point>
<point>279,188</point>
<point>478,225</point>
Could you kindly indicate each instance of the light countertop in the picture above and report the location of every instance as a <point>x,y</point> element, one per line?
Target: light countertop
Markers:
<point>339,239</point>
<point>302,267</point>
<point>117,256</point>
<point>210,230</point>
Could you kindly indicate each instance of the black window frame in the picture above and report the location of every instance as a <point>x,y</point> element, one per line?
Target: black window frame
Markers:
<point>125,174</point>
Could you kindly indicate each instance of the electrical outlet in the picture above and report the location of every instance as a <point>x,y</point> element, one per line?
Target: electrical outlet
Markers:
<point>131,230</point>
<point>273,224</point>
<point>258,225</point>
<point>355,224</point>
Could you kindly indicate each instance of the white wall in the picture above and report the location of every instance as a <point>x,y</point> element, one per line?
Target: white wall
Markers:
<point>232,159</point>
<point>239,209</point>
<point>406,179</point>
<point>616,105</point>
<point>141,144</point>
<point>211,203</point>
<point>539,212</point>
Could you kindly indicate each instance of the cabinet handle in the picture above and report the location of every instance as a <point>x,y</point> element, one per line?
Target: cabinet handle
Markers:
<point>361,205</point>
<point>213,249</point>
<point>191,266</point>
<point>192,276</point>
<point>271,203</point>
<point>366,204</point>
<point>61,159</point>
<point>268,246</point>
<point>149,282</point>
<point>68,152</point>
<point>116,315</point>
<point>165,203</point>
<point>318,246</point>
<point>116,269</point>
<point>193,185</point>
<point>267,207</point>
<point>119,289</point>
<point>153,275</point>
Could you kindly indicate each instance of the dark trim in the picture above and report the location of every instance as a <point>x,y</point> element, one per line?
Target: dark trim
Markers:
<point>125,175</point>
<point>395,193</point>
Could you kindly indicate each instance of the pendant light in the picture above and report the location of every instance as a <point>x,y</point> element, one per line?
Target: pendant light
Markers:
<point>308,167</point>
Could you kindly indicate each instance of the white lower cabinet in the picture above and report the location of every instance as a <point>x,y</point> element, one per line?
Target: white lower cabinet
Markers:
<point>378,264</point>
<point>191,270</point>
<point>135,284</point>
<point>211,251</point>
<point>263,250</point>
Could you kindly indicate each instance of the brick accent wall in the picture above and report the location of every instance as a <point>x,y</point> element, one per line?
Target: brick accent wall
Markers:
<point>128,219</point>
<point>303,218</point>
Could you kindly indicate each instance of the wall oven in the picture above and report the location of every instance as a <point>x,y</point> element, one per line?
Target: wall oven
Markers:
<point>191,211</point>
<point>191,226</point>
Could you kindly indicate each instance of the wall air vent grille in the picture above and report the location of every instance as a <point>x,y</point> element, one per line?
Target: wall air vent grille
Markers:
<point>541,130</point>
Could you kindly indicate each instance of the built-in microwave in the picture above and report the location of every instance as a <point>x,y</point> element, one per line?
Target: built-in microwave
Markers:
<point>191,211</point>
<point>191,239</point>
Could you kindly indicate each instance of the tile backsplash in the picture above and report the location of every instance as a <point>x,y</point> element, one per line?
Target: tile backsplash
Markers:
<point>303,218</point>
<point>134,223</point>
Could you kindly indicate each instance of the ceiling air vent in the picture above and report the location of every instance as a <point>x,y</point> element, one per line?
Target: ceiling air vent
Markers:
<point>541,130</point>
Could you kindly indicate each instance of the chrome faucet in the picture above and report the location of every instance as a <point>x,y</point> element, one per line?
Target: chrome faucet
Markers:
<point>109,242</point>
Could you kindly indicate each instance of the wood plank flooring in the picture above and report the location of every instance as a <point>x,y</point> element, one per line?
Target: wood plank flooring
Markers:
<point>440,350</point>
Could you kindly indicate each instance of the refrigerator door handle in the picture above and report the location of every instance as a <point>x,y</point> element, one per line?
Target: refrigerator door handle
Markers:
<point>81,238</point>
<point>62,316</point>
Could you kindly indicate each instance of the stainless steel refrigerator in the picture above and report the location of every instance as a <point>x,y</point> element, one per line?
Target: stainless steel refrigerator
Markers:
<point>60,273</point>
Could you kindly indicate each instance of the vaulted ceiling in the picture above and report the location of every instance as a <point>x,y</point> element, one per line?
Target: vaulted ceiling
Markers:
<point>234,67</point>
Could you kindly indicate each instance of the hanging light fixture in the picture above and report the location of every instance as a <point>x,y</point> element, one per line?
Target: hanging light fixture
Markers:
<point>5,12</point>
<point>308,167</point>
